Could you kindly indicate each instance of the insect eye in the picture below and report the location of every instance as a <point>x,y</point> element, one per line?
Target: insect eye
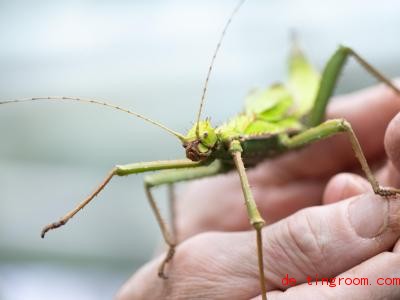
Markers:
<point>205,135</point>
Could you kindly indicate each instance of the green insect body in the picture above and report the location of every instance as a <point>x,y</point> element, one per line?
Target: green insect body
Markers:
<point>269,117</point>
<point>275,120</point>
<point>279,118</point>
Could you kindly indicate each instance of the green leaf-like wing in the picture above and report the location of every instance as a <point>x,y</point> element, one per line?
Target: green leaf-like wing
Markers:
<point>266,127</point>
<point>303,81</point>
<point>270,111</point>
<point>269,104</point>
<point>278,108</point>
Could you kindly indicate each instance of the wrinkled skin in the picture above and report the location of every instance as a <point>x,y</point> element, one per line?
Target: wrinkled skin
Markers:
<point>355,236</point>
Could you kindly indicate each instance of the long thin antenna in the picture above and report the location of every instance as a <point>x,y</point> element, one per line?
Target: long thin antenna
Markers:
<point>98,102</point>
<point>203,96</point>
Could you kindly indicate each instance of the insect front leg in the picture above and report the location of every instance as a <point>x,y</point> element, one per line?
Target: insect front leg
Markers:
<point>332,127</point>
<point>171,177</point>
<point>254,215</point>
<point>122,170</point>
<point>330,77</point>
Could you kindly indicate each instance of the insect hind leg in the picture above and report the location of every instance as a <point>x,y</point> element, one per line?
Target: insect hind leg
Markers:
<point>332,127</point>
<point>330,77</point>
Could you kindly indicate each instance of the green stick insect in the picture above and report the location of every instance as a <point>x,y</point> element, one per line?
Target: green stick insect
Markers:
<point>275,120</point>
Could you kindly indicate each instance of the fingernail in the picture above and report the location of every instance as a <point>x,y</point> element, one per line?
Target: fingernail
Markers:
<point>350,185</point>
<point>368,215</point>
<point>360,184</point>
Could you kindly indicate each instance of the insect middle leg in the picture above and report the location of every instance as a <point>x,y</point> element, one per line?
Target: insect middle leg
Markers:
<point>332,127</point>
<point>171,177</point>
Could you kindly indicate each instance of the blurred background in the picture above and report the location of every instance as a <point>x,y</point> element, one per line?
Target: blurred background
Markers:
<point>151,56</point>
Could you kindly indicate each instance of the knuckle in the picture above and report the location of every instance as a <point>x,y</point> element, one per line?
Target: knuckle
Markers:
<point>306,241</point>
<point>192,253</point>
<point>194,271</point>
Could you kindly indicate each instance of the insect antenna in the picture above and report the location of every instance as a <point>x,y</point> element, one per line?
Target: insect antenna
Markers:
<point>97,102</point>
<point>203,96</point>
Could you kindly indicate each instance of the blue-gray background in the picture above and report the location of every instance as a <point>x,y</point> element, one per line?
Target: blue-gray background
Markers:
<point>151,56</point>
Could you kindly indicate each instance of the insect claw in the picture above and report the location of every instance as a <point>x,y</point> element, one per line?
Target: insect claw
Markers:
<point>387,192</point>
<point>168,257</point>
<point>162,275</point>
<point>52,226</point>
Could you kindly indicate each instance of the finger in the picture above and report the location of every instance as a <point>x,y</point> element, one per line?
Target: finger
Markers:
<point>224,211</point>
<point>325,240</point>
<point>392,142</point>
<point>345,185</point>
<point>396,247</point>
<point>388,175</point>
<point>376,278</point>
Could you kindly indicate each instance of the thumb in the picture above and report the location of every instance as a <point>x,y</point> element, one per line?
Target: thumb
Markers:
<point>325,240</point>
<point>392,142</point>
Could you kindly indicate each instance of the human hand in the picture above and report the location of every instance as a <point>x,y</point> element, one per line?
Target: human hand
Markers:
<point>350,237</point>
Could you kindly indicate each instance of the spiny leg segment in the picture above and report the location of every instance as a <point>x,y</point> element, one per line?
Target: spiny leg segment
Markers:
<point>254,215</point>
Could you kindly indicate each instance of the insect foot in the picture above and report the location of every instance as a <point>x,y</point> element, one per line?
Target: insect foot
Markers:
<point>52,226</point>
<point>387,192</point>
<point>168,257</point>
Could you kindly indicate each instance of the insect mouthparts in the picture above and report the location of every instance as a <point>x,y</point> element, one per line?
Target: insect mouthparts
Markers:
<point>193,152</point>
